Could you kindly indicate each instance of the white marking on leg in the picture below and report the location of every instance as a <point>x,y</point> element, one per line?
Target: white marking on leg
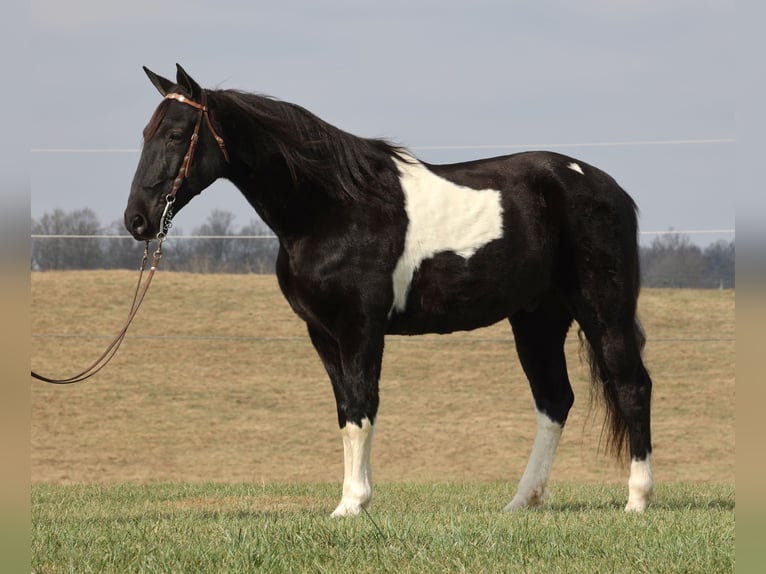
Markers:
<point>442,216</point>
<point>640,484</point>
<point>576,167</point>
<point>357,474</point>
<point>531,491</point>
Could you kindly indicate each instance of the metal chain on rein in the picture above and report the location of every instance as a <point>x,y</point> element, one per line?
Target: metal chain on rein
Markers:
<point>166,221</point>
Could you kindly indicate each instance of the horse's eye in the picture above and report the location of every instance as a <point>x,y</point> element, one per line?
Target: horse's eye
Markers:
<point>175,137</point>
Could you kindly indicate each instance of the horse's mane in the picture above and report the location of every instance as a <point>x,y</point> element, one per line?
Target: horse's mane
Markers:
<point>341,163</point>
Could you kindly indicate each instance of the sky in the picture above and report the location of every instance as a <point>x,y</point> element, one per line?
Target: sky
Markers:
<point>644,90</point>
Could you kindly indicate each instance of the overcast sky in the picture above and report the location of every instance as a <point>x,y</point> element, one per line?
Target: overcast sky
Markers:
<point>451,80</point>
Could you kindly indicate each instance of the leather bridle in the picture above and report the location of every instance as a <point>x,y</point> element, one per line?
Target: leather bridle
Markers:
<point>165,223</point>
<point>183,171</point>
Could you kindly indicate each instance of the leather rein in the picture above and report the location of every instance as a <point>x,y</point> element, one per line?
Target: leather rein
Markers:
<point>165,224</point>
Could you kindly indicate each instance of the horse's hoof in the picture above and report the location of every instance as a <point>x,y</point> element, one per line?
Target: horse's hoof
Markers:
<point>516,505</point>
<point>533,499</point>
<point>636,505</point>
<point>347,508</point>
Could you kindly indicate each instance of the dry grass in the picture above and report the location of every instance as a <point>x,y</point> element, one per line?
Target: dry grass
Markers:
<point>454,408</point>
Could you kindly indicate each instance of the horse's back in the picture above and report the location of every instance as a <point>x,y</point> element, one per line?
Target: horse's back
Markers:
<point>554,213</point>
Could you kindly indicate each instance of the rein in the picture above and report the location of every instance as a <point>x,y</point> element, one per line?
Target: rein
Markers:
<point>165,224</point>
<point>106,356</point>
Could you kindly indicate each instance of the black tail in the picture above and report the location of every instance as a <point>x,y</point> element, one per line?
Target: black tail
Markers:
<point>614,433</point>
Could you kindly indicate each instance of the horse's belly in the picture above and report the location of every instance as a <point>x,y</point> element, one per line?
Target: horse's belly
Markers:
<point>452,293</point>
<point>420,322</point>
<point>449,294</point>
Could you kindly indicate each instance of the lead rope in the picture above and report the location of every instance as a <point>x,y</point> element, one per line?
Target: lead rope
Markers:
<point>166,222</point>
<point>138,297</point>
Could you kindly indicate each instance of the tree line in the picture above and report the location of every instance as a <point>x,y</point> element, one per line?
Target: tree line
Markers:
<point>120,251</point>
<point>671,260</point>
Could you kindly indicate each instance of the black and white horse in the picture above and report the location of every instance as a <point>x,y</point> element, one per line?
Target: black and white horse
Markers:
<point>374,241</point>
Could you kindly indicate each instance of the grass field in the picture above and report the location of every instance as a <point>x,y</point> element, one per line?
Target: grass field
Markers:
<point>415,528</point>
<point>217,388</point>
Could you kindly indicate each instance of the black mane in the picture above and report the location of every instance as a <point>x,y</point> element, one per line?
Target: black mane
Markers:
<point>341,163</point>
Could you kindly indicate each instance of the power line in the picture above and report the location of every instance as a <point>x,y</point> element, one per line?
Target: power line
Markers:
<point>84,150</point>
<point>687,232</point>
<point>580,145</point>
<point>625,143</point>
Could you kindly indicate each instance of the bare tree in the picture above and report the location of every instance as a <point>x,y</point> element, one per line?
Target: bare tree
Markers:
<point>60,253</point>
<point>122,253</point>
<point>673,261</point>
<point>256,255</point>
<point>719,265</point>
<point>670,261</point>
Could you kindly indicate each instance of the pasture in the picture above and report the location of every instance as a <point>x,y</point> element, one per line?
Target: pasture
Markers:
<point>418,527</point>
<point>216,422</point>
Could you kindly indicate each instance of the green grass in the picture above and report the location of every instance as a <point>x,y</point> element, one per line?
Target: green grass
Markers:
<point>412,527</point>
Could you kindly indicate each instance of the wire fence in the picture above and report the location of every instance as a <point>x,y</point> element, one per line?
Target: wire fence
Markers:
<point>422,339</point>
<point>720,231</point>
<point>672,260</point>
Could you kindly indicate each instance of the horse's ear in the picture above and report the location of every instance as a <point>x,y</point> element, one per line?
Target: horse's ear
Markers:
<point>185,81</point>
<point>163,85</point>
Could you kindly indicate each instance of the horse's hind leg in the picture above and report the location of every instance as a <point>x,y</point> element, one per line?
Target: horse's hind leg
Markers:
<point>539,337</point>
<point>616,341</point>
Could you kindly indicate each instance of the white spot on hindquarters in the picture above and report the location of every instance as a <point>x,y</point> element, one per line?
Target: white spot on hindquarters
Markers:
<point>640,484</point>
<point>357,471</point>
<point>442,216</point>
<point>531,490</point>
<point>574,166</point>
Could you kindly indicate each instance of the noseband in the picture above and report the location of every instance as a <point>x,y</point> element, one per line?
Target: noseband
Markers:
<point>183,172</point>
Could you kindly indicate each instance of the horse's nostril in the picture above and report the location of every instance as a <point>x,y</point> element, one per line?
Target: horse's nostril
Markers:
<point>137,224</point>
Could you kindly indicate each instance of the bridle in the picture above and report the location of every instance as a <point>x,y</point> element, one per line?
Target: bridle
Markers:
<point>183,171</point>
<point>165,224</point>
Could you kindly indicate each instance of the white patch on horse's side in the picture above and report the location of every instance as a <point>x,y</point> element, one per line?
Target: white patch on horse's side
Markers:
<point>442,216</point>
<point>531,490</point>
<point>640,484</point>
<point>574,166</point>
<point>357,473</point>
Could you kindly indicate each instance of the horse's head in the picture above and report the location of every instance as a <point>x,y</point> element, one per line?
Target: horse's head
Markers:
<point>182,155</point>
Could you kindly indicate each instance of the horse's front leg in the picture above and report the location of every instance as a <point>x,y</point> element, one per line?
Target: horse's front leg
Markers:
<point>357,476</point>
<point>353,364</point>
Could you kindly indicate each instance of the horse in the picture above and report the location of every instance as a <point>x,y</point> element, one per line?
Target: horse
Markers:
<point>373,241</point>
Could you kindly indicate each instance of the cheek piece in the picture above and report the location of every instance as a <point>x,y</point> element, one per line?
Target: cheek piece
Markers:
<point>170,198</point>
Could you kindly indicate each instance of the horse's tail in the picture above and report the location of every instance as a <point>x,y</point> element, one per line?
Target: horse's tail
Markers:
<point>614,432</point>
<point>615,429</point>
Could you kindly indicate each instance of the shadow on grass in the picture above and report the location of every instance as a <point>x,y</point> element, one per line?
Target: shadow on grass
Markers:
<point>657,504</point>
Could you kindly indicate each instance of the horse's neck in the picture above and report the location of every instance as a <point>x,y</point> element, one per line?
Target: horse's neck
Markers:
<point>289,203</point>
<point>288,209</point>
